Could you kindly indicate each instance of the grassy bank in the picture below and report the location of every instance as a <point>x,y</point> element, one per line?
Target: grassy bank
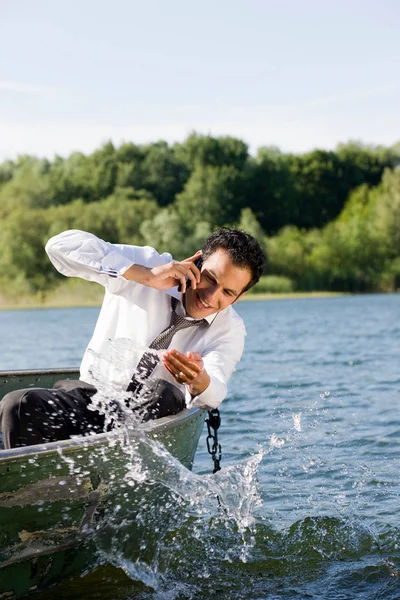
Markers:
<point>76,293</point>
<point>69,293</point>
<point>284,296</point>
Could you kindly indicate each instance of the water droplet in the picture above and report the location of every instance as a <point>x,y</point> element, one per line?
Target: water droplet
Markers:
<point>276,442</point>
<point>297,421</point>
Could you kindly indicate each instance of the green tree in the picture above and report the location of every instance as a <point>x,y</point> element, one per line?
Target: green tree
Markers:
<point>249,223</point>
<point>269,189</point>
<point>7,169</point>
<point>287,253</point>
<point>167,232</point>
<point>365,164</point>
<point>359,251</point>
<point>116,219</point>
<point>69,179</point>
<point>319,188</point>
<point>23,261</point>
<point>90,178</point>
<point>163,175</point>
<point>28,188</point>
<point>204,150</point>
<point>103,168</point>
<point>212,194</point>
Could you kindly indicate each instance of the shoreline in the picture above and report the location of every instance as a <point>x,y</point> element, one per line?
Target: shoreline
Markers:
<point>31,304</point>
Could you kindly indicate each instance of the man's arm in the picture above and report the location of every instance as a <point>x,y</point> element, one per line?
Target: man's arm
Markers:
<point>166,276</point>
<point>206,377</point>
<point>77,253</point>
<point>81,254</point>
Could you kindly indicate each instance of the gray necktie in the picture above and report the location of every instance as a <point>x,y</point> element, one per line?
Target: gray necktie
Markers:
<point>149,360</point>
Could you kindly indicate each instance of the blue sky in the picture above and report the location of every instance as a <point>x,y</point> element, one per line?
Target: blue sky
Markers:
<point>297,74</point>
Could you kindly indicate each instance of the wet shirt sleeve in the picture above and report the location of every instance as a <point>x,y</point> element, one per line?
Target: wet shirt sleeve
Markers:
<point>220,360</point>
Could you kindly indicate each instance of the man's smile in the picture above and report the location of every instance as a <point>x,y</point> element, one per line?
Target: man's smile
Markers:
<point>203,302</point>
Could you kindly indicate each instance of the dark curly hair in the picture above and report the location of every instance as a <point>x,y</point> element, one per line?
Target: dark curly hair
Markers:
<point>244,251</point>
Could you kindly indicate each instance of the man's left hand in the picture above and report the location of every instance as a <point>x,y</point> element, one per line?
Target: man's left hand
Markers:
<point>187,369</point>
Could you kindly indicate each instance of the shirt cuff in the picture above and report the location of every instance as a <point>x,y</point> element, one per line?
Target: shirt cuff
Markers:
<point>115,264</point>
<point>209,399</point>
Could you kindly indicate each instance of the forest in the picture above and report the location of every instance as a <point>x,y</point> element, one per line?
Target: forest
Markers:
<point>327,220</point>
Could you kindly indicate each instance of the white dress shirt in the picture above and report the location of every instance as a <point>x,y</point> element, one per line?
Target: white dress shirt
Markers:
<point>132,315</point>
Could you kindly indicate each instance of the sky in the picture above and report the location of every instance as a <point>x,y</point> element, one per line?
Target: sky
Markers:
<point>296,74</point>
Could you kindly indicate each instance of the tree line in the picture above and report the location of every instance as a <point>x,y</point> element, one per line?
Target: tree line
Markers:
<point>328,220</point>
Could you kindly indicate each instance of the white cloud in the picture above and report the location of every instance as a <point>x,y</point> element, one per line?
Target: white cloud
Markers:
<point>351,96</point>
<point>291,128</point>
<point>28,88</point>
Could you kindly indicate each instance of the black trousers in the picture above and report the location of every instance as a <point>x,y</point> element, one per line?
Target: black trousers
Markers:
<point>39,415</point>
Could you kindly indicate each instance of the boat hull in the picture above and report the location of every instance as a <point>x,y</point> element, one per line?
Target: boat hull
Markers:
<point>56,499</point>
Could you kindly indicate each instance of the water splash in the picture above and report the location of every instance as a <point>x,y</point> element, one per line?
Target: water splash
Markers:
<point>275,442</point>
<point>155,509</point>
<point>186,501</point>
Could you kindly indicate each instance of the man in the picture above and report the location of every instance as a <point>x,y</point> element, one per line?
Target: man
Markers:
<point>151,301</point>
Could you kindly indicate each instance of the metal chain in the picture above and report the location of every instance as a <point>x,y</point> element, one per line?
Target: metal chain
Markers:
<point>213,423</point>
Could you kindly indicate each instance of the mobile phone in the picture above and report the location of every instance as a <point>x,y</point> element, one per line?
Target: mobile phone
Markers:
<point>198,264</point>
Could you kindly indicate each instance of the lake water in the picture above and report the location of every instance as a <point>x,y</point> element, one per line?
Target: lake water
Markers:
<point>313,415</point>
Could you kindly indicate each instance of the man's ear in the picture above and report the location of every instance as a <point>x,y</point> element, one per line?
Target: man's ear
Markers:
<point>239,297</point>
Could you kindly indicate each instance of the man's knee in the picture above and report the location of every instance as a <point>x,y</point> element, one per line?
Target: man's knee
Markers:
<point>17,404</point>
<point>21,417</point>
<point>10,424</point>
<point>164,399</point>
<point>9,405</point>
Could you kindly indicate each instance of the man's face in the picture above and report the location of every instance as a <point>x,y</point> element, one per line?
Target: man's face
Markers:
<point>220,285</point>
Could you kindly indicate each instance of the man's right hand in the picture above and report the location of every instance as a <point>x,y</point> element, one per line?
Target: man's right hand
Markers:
<point>167,276</point>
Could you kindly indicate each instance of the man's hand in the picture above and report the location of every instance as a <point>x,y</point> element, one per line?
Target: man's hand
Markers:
<point>187,369</point>
<point>167,276</point>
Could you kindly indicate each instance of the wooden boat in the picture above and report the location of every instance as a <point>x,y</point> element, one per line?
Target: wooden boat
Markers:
<point>53,496</point>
